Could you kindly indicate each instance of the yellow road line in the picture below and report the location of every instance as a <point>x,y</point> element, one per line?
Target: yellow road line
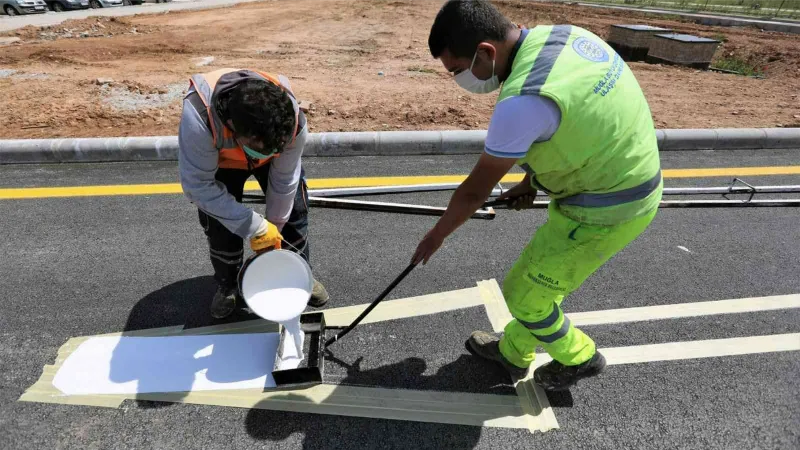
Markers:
<point>731,172</point>
<point>327,183</point>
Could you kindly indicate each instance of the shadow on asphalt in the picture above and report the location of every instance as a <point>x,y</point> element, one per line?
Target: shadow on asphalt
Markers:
<point>352,432</point>
<point>184,303</point>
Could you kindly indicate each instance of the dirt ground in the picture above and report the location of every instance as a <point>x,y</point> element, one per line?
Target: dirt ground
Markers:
<point>364,65</point>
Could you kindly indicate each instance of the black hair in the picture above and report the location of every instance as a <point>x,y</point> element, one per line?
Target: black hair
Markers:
<point>259,110</point>
<point>463,24</point>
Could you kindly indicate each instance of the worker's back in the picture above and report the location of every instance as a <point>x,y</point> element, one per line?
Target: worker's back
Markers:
<point>606,140</point>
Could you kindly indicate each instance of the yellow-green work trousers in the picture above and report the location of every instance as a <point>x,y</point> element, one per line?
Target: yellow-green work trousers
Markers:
<point>559,258</point>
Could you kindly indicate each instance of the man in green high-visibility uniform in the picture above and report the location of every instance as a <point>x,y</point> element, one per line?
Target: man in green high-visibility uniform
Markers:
<point>572,115</point>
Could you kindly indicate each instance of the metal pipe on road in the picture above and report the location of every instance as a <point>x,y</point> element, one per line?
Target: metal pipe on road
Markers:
<point>399,208</point>
<point>371,143</point>
<point>436,187</point>
<point>772,203</point>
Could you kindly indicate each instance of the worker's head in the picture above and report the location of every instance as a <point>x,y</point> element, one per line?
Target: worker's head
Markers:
<point>261,116</point>
<point>470,37</point>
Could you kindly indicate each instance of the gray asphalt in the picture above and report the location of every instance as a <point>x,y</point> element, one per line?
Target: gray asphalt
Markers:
<point>80,266</point>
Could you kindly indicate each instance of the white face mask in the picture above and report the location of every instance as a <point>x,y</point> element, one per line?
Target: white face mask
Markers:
<point>470,82</point>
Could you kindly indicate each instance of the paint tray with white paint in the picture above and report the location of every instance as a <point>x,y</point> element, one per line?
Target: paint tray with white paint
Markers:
<point>291,372</point>
<point>277,285</point>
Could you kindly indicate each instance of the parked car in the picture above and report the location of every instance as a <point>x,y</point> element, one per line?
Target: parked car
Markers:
<point>104,3</point>
<point>67,5</point>
<point>17,7</point>
<point>141,2</point>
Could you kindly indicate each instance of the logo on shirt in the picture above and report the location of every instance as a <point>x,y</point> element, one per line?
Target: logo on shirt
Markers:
<point>590,50</point>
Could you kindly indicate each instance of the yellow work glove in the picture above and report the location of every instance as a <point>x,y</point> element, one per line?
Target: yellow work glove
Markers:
<point>266,237</point>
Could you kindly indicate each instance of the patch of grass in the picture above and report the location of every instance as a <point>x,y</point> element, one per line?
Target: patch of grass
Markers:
<point>720,37</point>
<point>421,69</point>
<point>739,65</point>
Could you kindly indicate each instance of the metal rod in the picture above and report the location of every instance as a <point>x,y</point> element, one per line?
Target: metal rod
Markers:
<point>436,187</point>
<point>733,190</point>
<point>372,305</point>
<point>377,190</point>
<point>402,208</point>
<point>772,203</point>
<point>698,203</point>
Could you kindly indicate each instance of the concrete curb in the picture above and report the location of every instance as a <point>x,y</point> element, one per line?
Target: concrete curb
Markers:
<point>373,143</point>
<point>711,19</point>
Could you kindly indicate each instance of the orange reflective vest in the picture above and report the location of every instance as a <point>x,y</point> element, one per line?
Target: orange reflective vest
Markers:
<point>231,154</point>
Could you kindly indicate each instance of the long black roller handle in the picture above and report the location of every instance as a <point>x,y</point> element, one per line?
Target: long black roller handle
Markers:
<point>372,305</point>
<point>493,203</point>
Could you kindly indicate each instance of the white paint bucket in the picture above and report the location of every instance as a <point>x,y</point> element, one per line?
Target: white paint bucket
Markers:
<point>276,285</point>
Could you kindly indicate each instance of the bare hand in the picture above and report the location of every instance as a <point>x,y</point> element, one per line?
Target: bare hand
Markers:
<point>521,196</point>
<point>427,247</point>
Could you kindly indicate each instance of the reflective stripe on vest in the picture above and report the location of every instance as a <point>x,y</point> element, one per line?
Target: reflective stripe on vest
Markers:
<point>546,59</point>
<point>589,200</point>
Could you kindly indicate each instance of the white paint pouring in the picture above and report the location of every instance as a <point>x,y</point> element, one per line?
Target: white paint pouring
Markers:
<point>276,286</point>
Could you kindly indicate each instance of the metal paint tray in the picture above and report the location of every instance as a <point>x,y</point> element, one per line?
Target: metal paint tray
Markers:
<point>310,370</point>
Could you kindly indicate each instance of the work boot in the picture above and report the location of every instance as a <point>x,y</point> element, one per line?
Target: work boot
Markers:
<point>319,295</point>
<point>224,302</point>
<point>487,346</point>
<point>555,376</point>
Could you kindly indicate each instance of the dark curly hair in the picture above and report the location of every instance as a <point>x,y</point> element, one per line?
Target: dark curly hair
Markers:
<point>259,110</point>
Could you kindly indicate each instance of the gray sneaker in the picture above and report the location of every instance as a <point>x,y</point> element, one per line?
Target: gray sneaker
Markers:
<point>487,346</point>
<point>319,295</point>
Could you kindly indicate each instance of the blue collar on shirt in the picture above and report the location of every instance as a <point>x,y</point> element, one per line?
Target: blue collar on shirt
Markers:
<point>513,55</point>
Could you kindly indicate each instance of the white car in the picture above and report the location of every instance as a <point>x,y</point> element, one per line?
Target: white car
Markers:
<point>17,7</point>
<point>104,3</point>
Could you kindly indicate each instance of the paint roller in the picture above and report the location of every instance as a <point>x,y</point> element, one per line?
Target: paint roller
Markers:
<point>299,360</point>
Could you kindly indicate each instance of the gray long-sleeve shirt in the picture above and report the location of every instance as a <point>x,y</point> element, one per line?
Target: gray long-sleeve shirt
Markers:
<point>198,162</point>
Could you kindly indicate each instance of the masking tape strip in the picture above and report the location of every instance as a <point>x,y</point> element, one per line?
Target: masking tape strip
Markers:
<point>488,410</point>
<point>495,304</point>
<point>407,307</point>
<point>533,400</point>
<point>710,348</point>
<point>658,312</point>
<point>458,408</point>
<point>539,413</point>
<point>400,404</point>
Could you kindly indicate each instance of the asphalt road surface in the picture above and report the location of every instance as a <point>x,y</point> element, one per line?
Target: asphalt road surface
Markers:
<point>77,266</point>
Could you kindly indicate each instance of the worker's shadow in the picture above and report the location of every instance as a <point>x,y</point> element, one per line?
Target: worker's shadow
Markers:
<point>184,304</point>
<point>331,432</point>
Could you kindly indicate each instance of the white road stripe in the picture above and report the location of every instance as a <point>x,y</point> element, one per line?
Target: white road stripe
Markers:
<point>672,351</point>
<point>674,311</point>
